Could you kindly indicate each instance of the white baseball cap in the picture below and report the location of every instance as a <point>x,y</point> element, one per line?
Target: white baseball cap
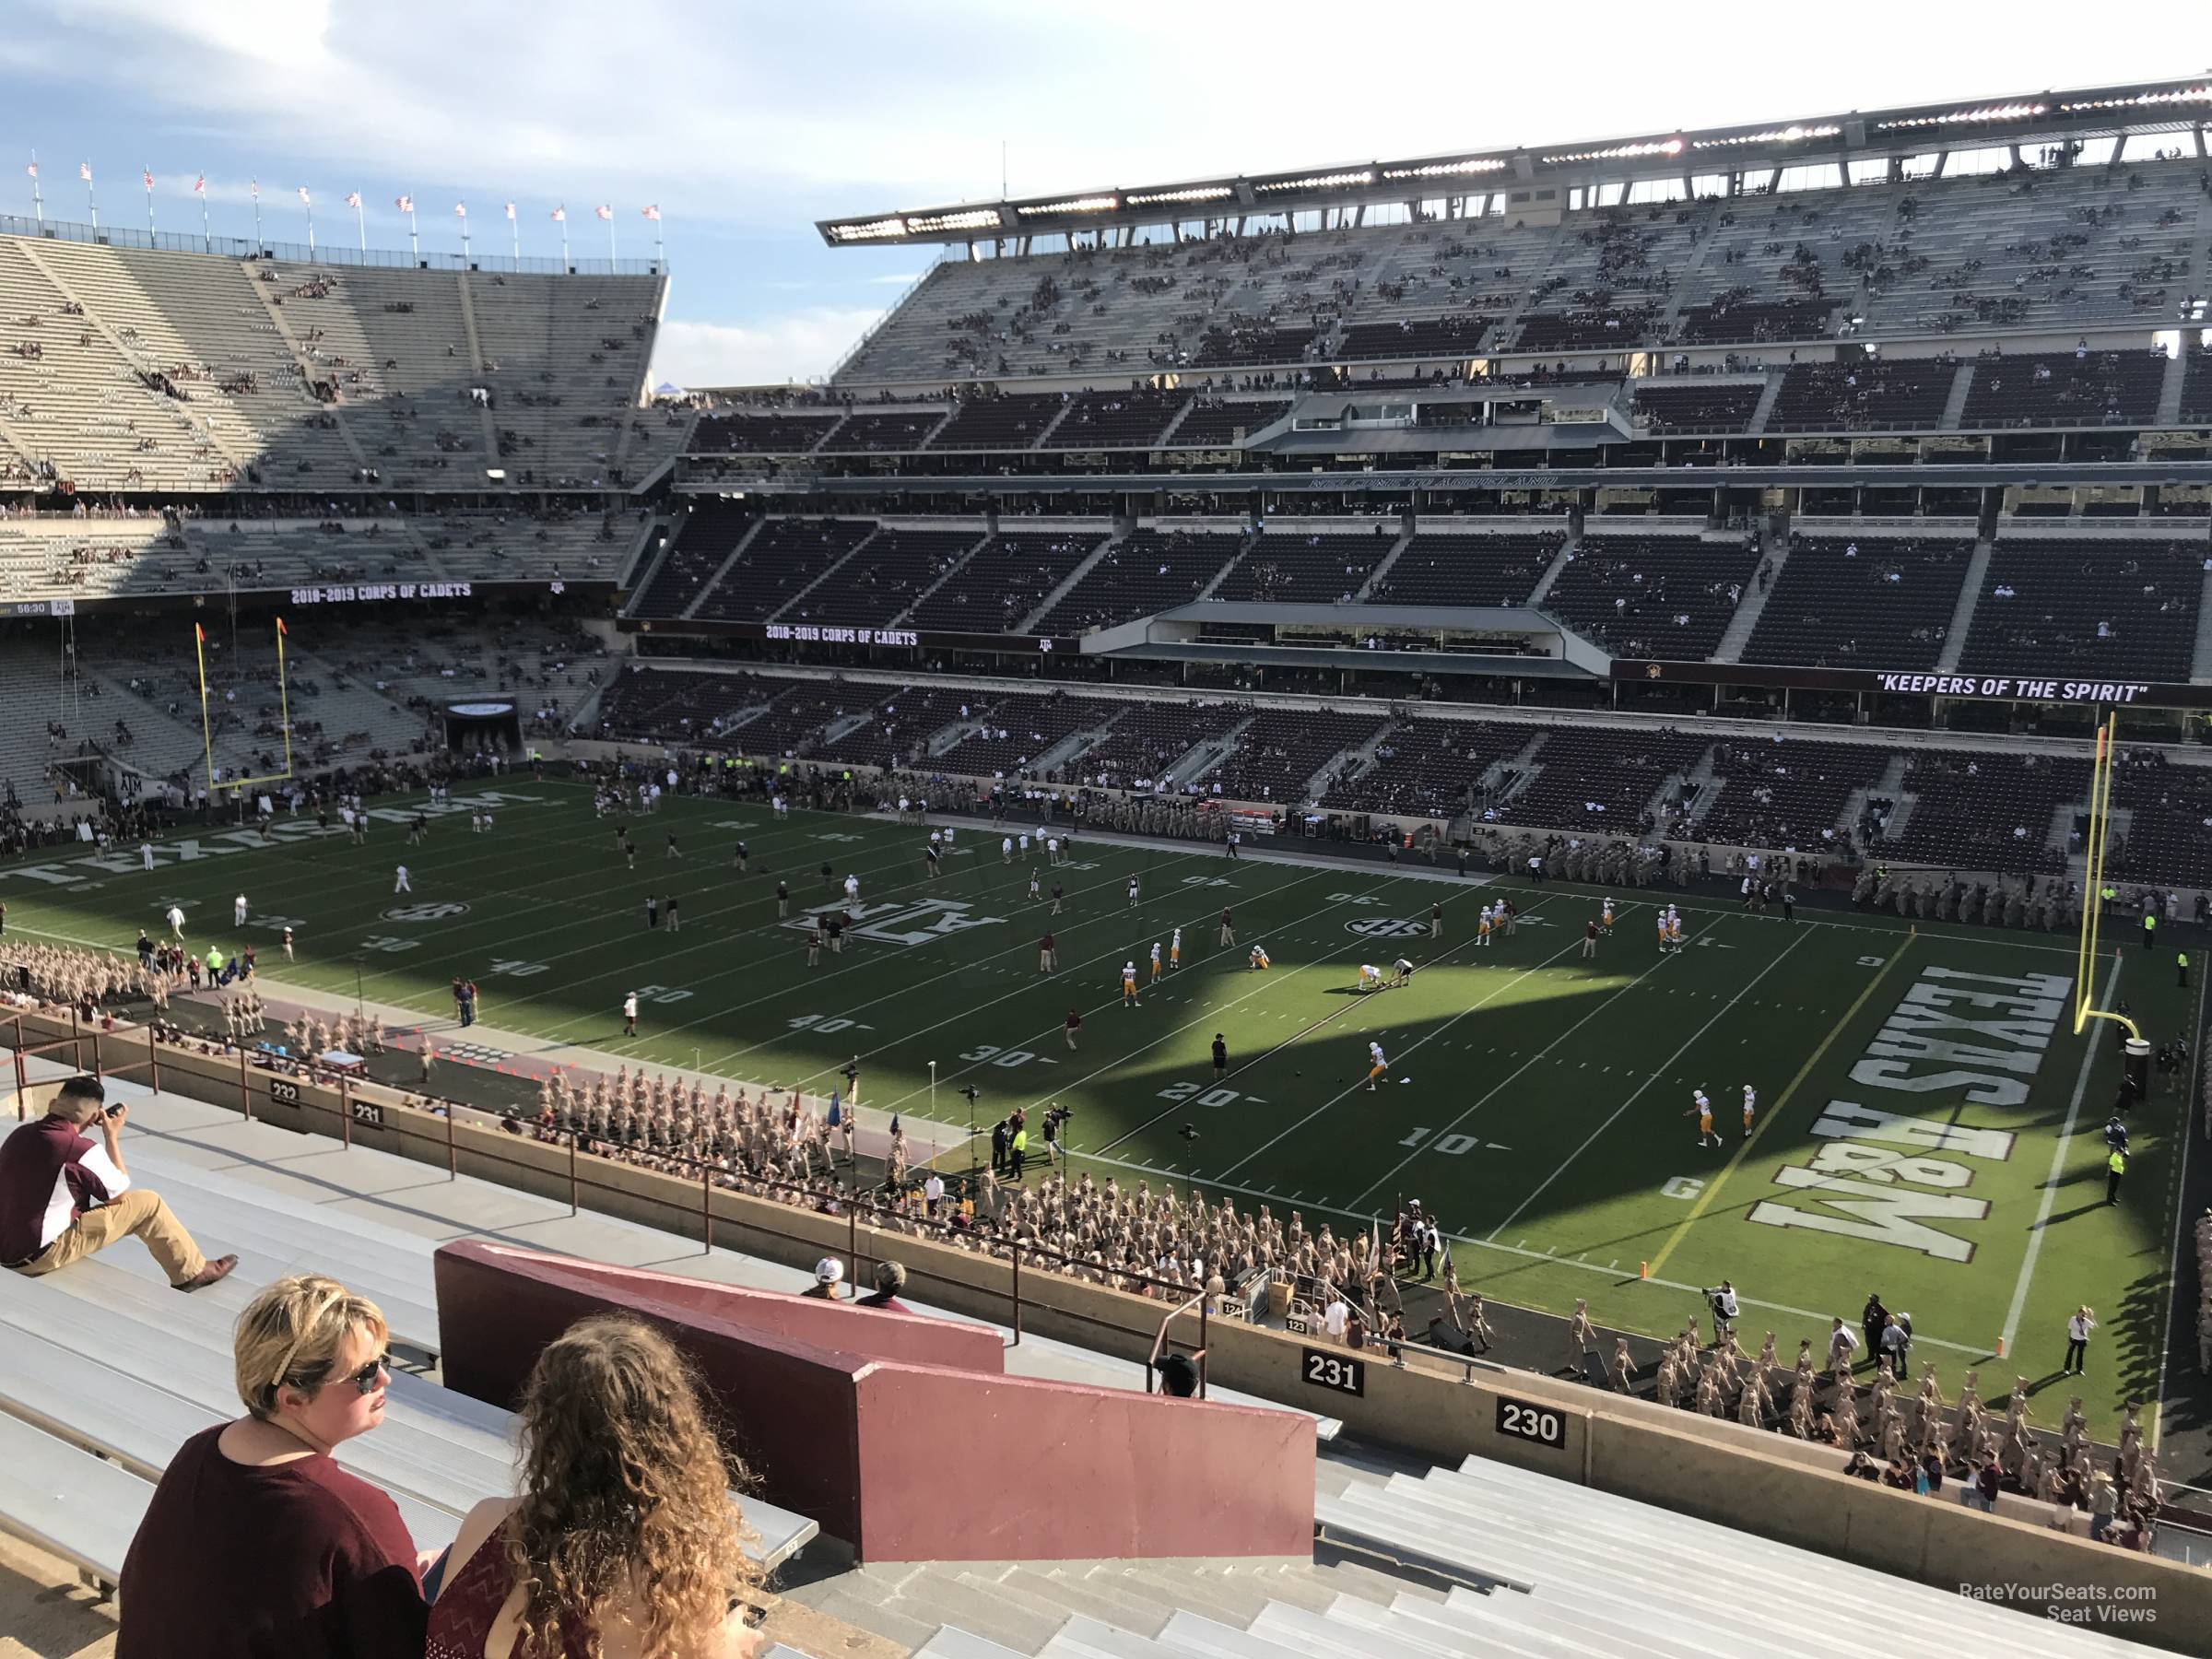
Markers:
<point>829,1270</point>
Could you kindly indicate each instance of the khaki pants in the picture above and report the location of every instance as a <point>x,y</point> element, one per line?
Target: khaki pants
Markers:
<point>136,1214</point>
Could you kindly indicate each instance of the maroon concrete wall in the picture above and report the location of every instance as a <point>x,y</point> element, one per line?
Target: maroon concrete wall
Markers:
<point>919,1448</point>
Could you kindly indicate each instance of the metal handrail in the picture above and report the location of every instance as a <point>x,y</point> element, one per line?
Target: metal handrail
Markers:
<point>1161,1341</point>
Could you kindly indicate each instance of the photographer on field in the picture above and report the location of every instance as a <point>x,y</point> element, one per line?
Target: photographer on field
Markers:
<point>1725,1308</point>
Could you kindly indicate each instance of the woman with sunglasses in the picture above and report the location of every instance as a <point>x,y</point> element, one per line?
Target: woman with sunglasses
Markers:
<point>257,1544</point>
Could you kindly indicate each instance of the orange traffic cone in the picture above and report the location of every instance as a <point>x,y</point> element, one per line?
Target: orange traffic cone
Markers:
<point>1644,1271</point>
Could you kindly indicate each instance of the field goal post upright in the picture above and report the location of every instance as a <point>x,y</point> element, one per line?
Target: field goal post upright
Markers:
<point>2134,1049</point>
<point>238,787</point>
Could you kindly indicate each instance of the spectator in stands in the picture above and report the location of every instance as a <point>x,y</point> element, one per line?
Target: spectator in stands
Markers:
<point>890,1278</point>
<point>61,1197</point>
<point>624,1540</point>
<point>257,1544</point>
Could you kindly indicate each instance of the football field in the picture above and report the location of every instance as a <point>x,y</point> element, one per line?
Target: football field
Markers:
<point>1928,1127</point>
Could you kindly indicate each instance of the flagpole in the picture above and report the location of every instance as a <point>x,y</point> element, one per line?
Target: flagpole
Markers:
<point>259,242</point>
<point>309,208</point>
<point>461,212</point>
<point>37,206</point>
<point>413,240</point>
<point>150,204</point>
<point>207,237</point>
<point>612,257</point>
<point>361,225</point>
<point>514,226</point>
<point>91,207</point>
<point>564,242</point>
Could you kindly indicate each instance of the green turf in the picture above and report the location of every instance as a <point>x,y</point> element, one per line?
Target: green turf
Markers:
<point>1534,1100</point>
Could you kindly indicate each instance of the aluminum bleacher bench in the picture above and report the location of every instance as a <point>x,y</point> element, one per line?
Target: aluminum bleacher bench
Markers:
<point>67,1502</point>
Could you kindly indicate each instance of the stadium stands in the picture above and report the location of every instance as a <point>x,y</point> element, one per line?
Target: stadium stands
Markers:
<point>1146,570</point>
<point>1653,595</point>
<point>878,584</point>
<point>1128,419</point>
<point>883,431</point>
<point>2077,388</point>
<point>1870,394</point>
<point>2118,607</point>
<point>783,561</point>
<point>1145,745</point>
<point>1428,768</point>
<point>1016,731</point>
<point>1490,567</point>
<point>1696,405</point>
<point>1985,811</point>
<point>1598,780</point>
<point>1863,600</point>
<point>1225,423</point>
<point>1290,564</point>
<point>779,432</point>
<point>1279,758</point>
<point>998,423</point>
<point>1006,579</point>
<point>1787,792</point>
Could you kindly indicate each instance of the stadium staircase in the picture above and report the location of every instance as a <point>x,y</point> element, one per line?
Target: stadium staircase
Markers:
<point>1753,605</point>
<point>1758,423</point>
<point>1167,439</point>
<point>1962,613</point>
<point>2200,662</point>
<point>1953,406</point>
<point>1084,567</point>
<point>1070,748</point>
<point>307,370</point>
<point>2169,389</point>
<point>1890,788</point>
<point>1203,758</point>
<point>1052,425</point>
<point>1252,540</point>
<point>1556,568</point>
<point>983,538</point>
<point>858,548</point>
<point>475,362</point>
<point>1381,570</point>
<point>721,569</point>
<point>636,562</point>
<point>1508,326</point>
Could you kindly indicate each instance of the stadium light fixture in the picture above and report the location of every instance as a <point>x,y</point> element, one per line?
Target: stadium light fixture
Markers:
<point>1446,169</point>
<point>1789,135</point>
<point>1196,192</point>
<point>973,218</point>
<point>1320,182</point>
<point>1620,152</point>
<point>1094,203</point>
<point>2013,112</point>
<point>871,231</point>
<point>2202,94</point>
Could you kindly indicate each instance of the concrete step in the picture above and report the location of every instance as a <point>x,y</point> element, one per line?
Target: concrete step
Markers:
<point>1962,613</point>
<point>933,1601</point>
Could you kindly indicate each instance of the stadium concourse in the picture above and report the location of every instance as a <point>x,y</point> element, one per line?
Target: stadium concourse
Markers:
<point>1660,605</point>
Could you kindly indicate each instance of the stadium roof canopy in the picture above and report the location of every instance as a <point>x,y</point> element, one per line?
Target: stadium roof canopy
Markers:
<point>1743,152</point>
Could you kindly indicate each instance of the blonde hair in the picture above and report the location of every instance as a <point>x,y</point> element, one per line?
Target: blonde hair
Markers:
<point>625,1493</point>
<point>293,1335</point>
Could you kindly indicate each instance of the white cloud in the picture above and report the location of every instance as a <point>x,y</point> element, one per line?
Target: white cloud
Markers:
<point>801,345</point>
<point>899,278</point>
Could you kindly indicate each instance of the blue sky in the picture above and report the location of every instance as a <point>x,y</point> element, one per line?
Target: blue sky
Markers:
<point>745,122</point>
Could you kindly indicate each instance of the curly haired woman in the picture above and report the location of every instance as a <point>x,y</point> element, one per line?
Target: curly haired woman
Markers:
<point>624,1544</point>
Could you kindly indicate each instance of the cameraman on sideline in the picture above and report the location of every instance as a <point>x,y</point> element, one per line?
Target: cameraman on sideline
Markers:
<point>1724,1310</point>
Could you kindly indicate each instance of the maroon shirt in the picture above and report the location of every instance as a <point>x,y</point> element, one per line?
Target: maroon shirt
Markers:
<point>302,1560</point>
<point>33,1159</point>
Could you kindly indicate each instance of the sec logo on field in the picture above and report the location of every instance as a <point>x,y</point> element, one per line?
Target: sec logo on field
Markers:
<point>1386,927</point>
<point>424,912</point>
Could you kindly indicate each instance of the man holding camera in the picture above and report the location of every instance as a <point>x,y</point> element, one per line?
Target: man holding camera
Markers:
<point>1725,1309</point>
<point>61,1197</point>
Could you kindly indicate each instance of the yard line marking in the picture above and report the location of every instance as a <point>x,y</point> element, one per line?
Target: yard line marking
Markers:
<point>1744,1150</point>
<point>2058,1162</point>
<point>2191,1093</point>
<point>1344,1093</point>
<point>1631,1100</point>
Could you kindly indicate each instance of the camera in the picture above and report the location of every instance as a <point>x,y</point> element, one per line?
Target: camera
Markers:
<point>969,1092</point>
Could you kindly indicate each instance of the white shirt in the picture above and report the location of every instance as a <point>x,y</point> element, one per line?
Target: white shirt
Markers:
<point>1178,941</point>
<point>1155,956</point>
<point>1128,970</point>
<point>1334,1320</point>
<point>176,916</point>
<point>1007,845</point>
<point>933,1189</point>
<point>1750,1097</point>
<point>56,1221</point>
<point>402,872</point>
<point>2077,1328</point>
<point>630,1007</point>
<point>1702,1103</point>
<point>1376,1050</point>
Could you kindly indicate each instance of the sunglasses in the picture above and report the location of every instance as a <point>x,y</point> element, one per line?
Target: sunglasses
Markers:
<point>371,1377</point>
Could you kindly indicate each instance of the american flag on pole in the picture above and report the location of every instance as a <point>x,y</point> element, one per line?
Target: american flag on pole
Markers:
<point>254,185</point>
<point>353,198</point>
<point>84,172</point>
<point>405,204</point>
<point>460,209</point>
<point>147,173</point>
<point>510,210</point>
<point>654,213</point>
<point>199,185</point>
<point>33,170</point>
<point>561,215</point>
<point>604,212</point>
<point>303,195</point>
